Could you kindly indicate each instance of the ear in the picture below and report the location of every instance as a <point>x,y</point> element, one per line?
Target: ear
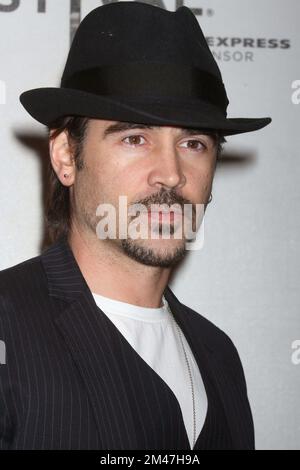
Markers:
<point>61,156</point>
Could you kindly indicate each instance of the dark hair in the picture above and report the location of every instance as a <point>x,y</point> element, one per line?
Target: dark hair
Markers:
<point>220,141</point>
<point>58,211</point>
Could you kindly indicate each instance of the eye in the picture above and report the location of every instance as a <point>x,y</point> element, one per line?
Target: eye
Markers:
<point>133,139</point>
<point>194,146</point>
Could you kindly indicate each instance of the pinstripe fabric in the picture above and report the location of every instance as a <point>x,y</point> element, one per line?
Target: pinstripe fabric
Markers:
<point>72,381</point>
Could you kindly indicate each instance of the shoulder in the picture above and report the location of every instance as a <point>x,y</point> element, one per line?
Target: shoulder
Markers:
<point>215,337</point>
<point>217,341</point>
<point>21,286</point>
<point>23,276</point>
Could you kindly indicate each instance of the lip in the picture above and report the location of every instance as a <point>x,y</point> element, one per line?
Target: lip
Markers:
<point>175,212</point>
<point>165,216</point>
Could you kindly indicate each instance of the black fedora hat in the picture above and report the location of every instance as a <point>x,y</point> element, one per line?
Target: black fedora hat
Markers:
<point>135,62</point>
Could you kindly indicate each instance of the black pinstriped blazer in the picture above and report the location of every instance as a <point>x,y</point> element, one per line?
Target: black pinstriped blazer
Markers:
<point>72,381</point>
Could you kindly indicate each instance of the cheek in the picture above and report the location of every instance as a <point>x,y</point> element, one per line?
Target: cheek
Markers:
<point>108,182</point>
<point>83,193</point>
<point>126,179</point>
<point>199,182</point>
<point>106,168</point>
<point>98,174</point>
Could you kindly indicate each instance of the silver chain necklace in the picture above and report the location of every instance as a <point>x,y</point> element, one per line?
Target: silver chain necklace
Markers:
<point>190,375</point>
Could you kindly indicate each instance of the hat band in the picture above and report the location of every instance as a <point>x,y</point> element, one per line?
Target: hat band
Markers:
<point>152,80</point>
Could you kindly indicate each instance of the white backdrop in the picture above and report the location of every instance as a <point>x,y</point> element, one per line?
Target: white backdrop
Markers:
<point>246,277</point>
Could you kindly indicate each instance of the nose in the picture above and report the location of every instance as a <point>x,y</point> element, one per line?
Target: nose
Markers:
<point>166,170</point>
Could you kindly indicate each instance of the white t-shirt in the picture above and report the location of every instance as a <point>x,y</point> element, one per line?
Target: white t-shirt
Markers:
<point>153,335</point>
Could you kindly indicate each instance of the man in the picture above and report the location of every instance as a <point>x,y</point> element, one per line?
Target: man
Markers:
<point>100,354</point>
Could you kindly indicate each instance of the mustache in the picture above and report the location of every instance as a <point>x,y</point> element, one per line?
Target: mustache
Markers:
<point>166,197</point>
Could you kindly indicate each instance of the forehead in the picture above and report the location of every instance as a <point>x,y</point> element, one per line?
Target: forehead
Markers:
<point>115,127</point>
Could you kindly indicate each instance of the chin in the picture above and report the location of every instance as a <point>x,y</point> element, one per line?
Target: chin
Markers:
<point>160,253</point>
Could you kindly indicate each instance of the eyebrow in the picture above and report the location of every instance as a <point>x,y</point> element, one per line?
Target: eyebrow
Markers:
<point>121,126</point>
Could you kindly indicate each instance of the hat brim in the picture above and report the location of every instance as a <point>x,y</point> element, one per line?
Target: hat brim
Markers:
<point>46,105</point>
